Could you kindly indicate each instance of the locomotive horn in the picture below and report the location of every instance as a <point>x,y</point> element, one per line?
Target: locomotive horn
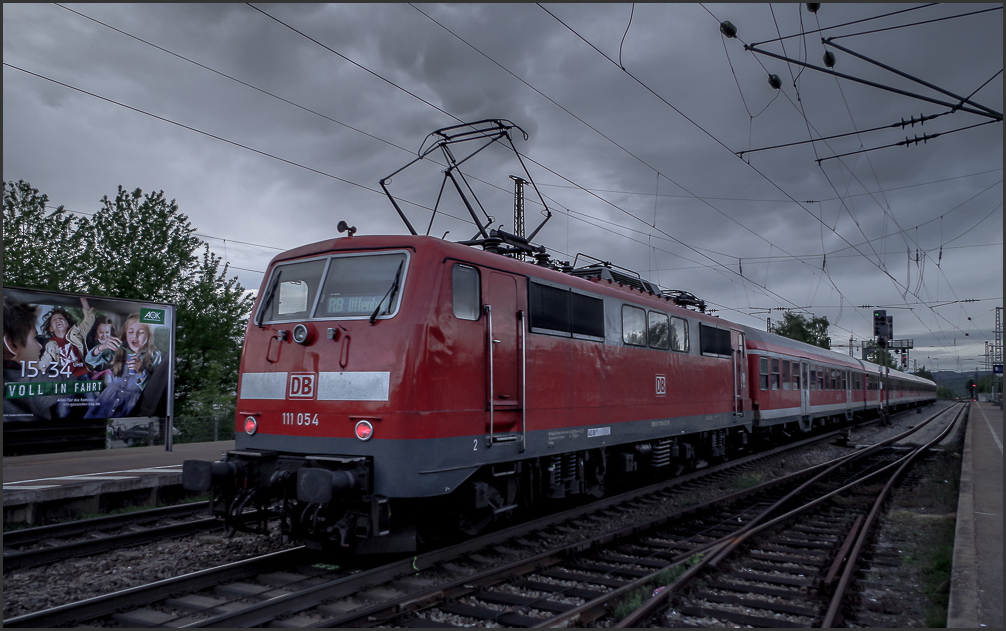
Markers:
<point>345,227</point>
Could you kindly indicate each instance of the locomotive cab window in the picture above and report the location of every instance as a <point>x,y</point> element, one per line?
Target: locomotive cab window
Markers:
<point>350,286</point>
<point>363,286</point>
<point>292,291</point>
<point>465,291</point>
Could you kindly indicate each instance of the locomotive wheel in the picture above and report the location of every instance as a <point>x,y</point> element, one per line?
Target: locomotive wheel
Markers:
<point>475,520</point>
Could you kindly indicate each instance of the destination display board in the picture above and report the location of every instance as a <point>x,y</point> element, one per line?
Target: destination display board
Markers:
<point>84,366</point>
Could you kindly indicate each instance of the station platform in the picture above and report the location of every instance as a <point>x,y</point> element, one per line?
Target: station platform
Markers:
<point>976,584</point>
<point>40,489</point>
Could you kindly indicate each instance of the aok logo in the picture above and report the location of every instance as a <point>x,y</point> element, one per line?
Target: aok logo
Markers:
<point>300,386</point>
<point>152,316</point>
<point>661,385</point>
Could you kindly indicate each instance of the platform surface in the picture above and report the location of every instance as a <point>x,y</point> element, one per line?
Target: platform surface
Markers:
<point>976,590</point>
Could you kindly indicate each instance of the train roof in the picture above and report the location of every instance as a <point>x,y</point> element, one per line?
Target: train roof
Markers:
<point>755,337</point>
<point>771,341</point>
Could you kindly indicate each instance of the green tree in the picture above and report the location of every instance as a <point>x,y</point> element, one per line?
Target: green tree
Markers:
<point>40,248</point>
<point>211,319</point>
<point>797,327</point>
<point>924,373</point>
<point>139,247</point>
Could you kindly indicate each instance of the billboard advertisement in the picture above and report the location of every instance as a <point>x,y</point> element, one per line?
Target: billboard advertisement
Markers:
<point>77,365</point>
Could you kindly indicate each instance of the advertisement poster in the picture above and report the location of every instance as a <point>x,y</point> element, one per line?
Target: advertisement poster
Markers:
<point>74,358</point>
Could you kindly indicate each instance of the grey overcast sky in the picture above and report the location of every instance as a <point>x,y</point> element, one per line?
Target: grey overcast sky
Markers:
<point>270,123</point>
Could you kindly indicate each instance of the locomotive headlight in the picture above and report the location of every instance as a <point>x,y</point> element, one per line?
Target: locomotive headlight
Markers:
<point>251,425</point>
<point>364,430</point>
<point>302,334</point>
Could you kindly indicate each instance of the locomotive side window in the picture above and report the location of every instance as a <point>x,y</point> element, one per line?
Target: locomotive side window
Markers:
<point>714,341</point>
<point>633,326</point>
<point>362,285</point>
<point>549,309</point>
<point>465,289</point>
<point>292,291</point>
<point>586,316</point>
<point>561,311</point>
<point>679,334</point>
<point>659,331</point>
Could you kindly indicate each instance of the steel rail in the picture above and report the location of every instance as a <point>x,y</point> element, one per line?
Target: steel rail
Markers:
<point>729,543</point>
<point>834,607</point>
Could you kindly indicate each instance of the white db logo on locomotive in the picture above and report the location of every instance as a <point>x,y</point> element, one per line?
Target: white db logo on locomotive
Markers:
<point>300,386</point>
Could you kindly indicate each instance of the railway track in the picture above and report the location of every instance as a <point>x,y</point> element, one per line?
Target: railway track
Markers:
<point>795,569</point>
<point>50,544</point>
<point>516,576</point>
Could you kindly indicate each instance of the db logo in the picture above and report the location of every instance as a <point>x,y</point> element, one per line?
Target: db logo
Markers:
<point>661,385</point>
<point>300,386</point>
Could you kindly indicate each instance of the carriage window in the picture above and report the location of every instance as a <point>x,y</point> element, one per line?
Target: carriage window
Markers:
<point>292,290</point>
<point>785,375</point>
<point>813,377</point>
<point>679,334</point>
<point>633,326</point>
<point>763,373</point>
<point>659,331</point>
<point>775,374</point>
<point>465,290</point>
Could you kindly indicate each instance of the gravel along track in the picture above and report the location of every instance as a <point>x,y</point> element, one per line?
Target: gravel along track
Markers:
<point>34,589</point>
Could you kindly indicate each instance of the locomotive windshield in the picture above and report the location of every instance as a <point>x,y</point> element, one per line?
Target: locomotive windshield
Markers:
<point>351,286</point>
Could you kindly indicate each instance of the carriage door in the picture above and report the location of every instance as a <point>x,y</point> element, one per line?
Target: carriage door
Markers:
<point>740,374</point>
<point>505,327</point>
<point>804,389</point>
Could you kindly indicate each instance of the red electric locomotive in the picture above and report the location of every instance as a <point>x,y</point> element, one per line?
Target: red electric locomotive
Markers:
<point>395,385</point>
<point>390,382</point>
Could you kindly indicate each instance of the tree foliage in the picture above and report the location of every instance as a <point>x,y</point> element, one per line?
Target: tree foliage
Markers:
<point>40,247</point>
<point>137,247</point>
<point>797,327</point>
<point>151,244</point>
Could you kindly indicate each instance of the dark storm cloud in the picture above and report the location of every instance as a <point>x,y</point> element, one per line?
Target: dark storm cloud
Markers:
<point>638,168</point>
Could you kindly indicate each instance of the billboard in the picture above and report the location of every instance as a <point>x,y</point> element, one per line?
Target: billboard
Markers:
<point>76,365</point>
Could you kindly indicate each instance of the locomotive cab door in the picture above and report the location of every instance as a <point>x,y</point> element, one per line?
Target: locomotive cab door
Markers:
<point>505,360</point>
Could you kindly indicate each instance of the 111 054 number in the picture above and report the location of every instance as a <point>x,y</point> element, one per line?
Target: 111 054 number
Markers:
<point>300,418</point>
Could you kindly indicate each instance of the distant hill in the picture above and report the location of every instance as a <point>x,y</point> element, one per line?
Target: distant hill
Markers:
<point>957,381</point>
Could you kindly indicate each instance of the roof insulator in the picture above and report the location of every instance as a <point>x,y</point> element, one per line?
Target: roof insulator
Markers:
<point>813,6</point>
<point>774,81</point>
<point>829,59</point>
<point>728,29</point>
